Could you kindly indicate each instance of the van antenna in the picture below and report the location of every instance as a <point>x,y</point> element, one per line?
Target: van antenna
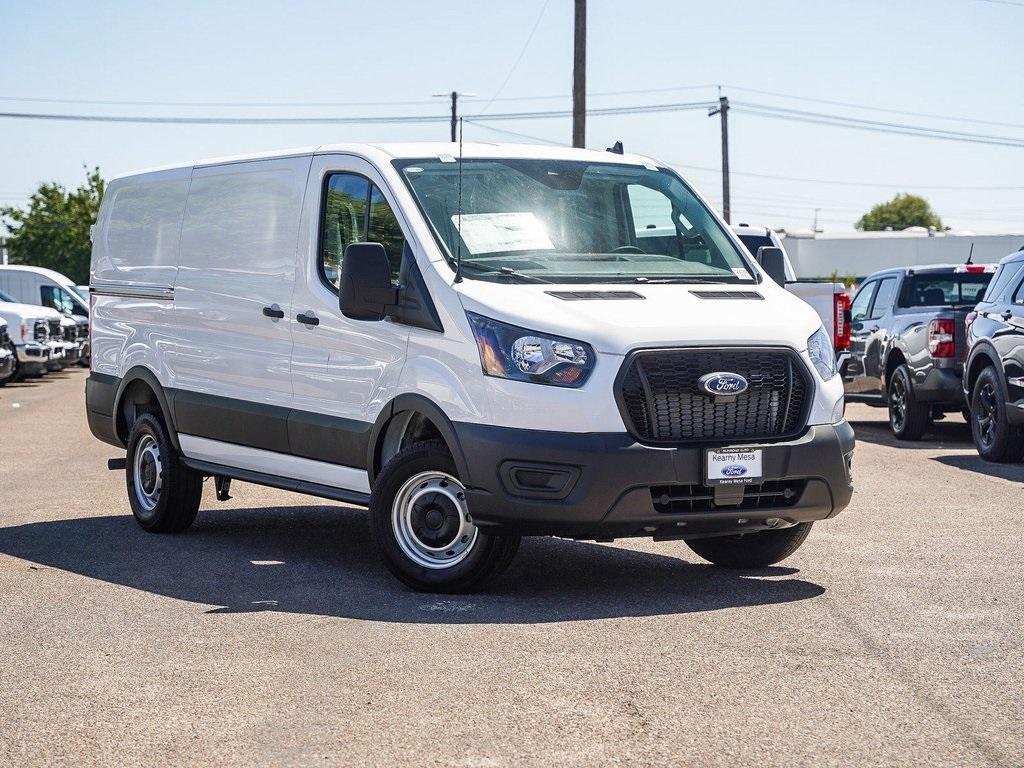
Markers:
<point>971,254</point>
<point>458,245</point>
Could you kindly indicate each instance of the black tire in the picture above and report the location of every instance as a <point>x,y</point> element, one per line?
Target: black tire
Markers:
<point>995,438</point>
<point>18,373</point>
<point>436,507</point>
<point>751,550</point>
<point>908,418</point>
<point>164,494</point>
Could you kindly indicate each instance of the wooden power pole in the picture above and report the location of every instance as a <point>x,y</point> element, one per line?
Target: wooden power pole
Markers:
<point>723,112</point>
<point>579,77</point>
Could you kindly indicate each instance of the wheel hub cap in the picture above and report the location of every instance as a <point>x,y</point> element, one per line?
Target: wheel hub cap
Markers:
<point>147,473</point>
<point>431,521</point>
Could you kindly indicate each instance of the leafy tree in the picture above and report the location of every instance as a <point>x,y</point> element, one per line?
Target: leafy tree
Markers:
<point>899,213</point>
<point>53,231</point>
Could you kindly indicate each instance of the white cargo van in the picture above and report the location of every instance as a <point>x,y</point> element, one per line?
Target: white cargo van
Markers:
<point>476,349</point>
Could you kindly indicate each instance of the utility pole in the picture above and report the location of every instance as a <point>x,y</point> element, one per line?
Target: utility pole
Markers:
<point>454,96</point>
<point>723,111</point>
<point>579,77</point>
<point>3,250</point>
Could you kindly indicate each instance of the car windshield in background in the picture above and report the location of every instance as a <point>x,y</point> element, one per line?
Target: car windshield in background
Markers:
<point>556,221</point>
<point>6,299</point>
<point>924,290</point>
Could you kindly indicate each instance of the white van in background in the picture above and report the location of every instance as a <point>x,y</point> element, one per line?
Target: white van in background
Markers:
<point>47,288</point>
<point>28,329</point>
<point>476,347</point>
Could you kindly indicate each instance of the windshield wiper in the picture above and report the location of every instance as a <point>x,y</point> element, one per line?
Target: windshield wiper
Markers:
<point>507,271</point>
<point>657,280</point>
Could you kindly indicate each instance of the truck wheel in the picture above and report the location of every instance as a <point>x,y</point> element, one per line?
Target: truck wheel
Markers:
<point>164,494</point>
<point>751,550</point>
<point>422,526</point>
<point>994,437</point>
<point>907,417</point>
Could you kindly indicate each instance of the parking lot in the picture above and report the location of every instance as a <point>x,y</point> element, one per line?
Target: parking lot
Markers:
<point>271,634</point>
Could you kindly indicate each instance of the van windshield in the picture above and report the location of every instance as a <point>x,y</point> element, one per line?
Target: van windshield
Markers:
<point>559,221</point>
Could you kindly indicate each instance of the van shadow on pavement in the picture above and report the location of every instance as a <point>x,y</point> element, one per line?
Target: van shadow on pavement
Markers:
<point>1011,472</point>
<point>954,433</point>
<point>326,565</point>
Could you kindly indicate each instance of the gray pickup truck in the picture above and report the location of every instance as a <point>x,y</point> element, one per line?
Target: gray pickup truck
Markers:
<point>908,342</point>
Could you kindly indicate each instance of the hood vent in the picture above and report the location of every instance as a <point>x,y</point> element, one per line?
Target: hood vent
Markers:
<point>727,295</point>
<point>594,295</point>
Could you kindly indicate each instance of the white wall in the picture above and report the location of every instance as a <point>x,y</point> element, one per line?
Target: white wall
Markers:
<point>860,255</point>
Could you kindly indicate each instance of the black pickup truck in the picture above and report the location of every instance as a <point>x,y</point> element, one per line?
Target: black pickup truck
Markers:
<point>908,343</point>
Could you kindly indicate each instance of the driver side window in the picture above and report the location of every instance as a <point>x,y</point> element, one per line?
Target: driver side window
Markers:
<point>862,302</point>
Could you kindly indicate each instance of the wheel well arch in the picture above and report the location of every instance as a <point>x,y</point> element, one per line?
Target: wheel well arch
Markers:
<point>140,391</point>
<point>980,360</point>
<point>894,360</point>
<point>411,418</point>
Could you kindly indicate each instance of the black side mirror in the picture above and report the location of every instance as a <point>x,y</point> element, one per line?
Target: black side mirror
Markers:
<point>366,291</point>
<point>773,262</point>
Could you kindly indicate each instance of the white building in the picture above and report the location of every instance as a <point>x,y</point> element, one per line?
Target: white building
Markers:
<point>858,254</point>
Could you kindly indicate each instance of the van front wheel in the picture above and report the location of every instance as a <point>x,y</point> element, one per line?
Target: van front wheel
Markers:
<point>423,527</point>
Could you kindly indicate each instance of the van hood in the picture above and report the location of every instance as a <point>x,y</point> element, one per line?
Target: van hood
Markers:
<point>648,315</point>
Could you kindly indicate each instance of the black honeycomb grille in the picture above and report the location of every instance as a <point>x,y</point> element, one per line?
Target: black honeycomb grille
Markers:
<point>662,403</point>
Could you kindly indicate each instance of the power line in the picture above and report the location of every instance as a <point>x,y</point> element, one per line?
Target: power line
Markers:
<point>517,134</point>
<point>840,121</point>
<point>519,58</point>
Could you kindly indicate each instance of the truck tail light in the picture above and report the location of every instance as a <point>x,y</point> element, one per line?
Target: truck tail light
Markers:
<point>941,338</point>
<point>841,309</point>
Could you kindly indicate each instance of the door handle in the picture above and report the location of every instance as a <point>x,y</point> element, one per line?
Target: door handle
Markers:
<point>307,319</point>
<point>273,311</point>
<point>873,329</point>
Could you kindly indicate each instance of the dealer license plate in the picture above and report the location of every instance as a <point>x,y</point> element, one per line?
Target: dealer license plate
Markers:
<point>733,466</point>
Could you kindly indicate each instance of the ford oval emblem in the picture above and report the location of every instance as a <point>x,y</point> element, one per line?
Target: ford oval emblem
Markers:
<point>734,470</point>
<point>721,383</point>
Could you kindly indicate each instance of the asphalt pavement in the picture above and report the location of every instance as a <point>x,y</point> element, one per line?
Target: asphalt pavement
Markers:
<point>270,634</point>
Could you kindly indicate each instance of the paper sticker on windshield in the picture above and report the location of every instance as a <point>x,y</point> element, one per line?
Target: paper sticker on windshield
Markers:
<point>498,232</point>
<point>741,273</point>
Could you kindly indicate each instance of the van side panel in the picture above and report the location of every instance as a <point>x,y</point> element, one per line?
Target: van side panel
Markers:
<point>238,248</point>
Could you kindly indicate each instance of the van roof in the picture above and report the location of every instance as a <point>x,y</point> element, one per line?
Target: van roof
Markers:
<point>409,151</point>
<point>57,277</point>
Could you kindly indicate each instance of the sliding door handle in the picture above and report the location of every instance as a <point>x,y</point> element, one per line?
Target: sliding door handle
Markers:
<point>273,311</point>
<point>307,319</point>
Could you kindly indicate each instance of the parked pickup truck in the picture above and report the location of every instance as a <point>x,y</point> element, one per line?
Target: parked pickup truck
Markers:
<point>7,358</point>
<point>29,329</point>
<point>907,346</point>
<point>829,300</point>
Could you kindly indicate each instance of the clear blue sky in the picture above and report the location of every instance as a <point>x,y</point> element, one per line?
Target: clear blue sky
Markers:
<point>948,57</point>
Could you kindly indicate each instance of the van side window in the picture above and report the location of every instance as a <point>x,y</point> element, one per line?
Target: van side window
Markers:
<point>344,221</point>
<point>384,229</point>
<point>356,212</point>
<point>56,298</point>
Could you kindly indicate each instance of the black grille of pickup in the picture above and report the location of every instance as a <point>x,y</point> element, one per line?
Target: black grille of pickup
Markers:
<point>5,337</point>
<point>661,402</point>
<point>41,330</point>
<point>771,494</point>
<point>71,333</point>
<point>55,332</point>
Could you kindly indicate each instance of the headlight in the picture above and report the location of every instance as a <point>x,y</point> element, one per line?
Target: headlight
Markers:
<point>819,347</point>
<point>509,352</point>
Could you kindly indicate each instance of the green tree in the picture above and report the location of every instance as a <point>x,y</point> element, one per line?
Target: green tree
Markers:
<point>899,213</point>
<point>53,231</point>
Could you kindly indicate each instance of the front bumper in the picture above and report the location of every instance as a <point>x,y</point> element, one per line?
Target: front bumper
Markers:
<point>33,352</point>
<point>603,486</point>
<point>6,363</point>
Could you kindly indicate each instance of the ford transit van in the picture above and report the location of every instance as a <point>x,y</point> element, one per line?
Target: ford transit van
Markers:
<point>476,346</point>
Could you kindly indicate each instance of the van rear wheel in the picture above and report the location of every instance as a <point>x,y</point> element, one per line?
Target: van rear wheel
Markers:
<point>422,526</point>
<point>164,494</point>
<point>751,550</point>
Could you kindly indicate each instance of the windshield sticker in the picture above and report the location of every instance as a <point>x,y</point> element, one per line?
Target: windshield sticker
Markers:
<point>741,273</point>
<point>499,232</point>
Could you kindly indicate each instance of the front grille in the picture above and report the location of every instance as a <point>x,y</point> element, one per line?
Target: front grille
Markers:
<point>71,333</point>
<point>41,331</point>
<point>55,332</point>
<point>661,402</point>
<point>5,337</point>
<point>771,494</point>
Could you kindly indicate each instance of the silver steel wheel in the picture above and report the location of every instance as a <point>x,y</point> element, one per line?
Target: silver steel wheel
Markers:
<point>431,522</point>
<point>147,473</point>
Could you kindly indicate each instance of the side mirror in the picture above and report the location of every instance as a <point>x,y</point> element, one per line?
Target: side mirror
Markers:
<point>773,262</point>
<point>366,291</point>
